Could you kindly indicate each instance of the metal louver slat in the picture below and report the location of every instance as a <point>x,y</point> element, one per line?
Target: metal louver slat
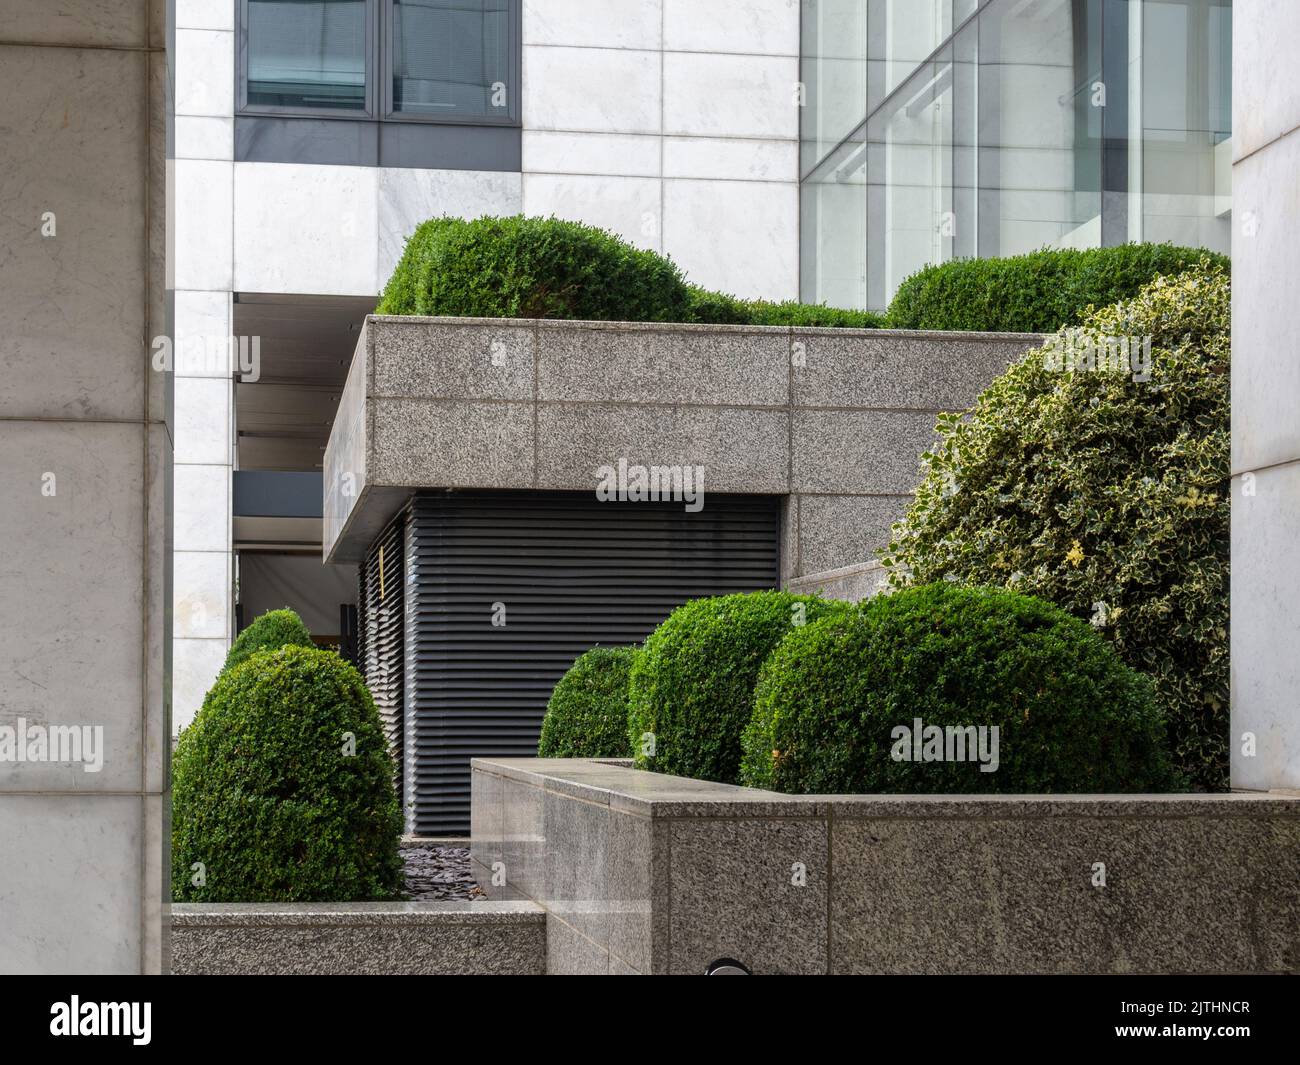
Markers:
<point>381,631</point>
<point>569,572</point>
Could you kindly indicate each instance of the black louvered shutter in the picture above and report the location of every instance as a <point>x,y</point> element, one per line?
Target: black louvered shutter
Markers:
<point>381,639</point>
<point>570,572</point>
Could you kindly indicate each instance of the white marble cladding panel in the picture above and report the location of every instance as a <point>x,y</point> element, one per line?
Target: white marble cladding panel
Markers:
<point>598,90</point>
<point>1266,80</point>
<point>737,236</point>
<point>204,64</point>
<point>731,95</point>
<point>620,99</point>
<point>306,228</point>
<point>1265,389</point>
<point>753,27</point>
<point>205,15</point>
<point>1266,628</point>
<point>627,207</point>
<point>340,230</point>
<point>195,662</point>
<point>408,197</point>
<point>594,23</point>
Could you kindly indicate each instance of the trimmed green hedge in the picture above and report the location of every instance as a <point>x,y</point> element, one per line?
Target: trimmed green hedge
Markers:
<point>718,308</point>
<point>586,716</point>
<point>834,699</point>
<point>531,268</point>
<point>522,267</point>
<point>267,796</point>
<point>1036,293</point>
<point>692,686</point>
<point>272,630</point>
<point>1106,495</point>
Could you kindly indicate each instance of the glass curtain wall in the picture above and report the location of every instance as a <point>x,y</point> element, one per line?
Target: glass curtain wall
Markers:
<point>937,129</point>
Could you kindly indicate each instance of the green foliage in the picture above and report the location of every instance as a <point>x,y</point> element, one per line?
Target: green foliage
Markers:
<point>1107,496</point>
<point>523,267</point>
<point>1071,716</point>
<point>692,685</point>
<point>273,629</point>
<point>531,268</point>
<point>718,308</point>
<point>1036,293</point>
<point>266,795</point>
<point>587,713</point>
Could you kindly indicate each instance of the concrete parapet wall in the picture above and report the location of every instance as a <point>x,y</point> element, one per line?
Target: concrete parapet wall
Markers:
<point>644,873</point>
<point>834,420</point>
<point>359,938</point>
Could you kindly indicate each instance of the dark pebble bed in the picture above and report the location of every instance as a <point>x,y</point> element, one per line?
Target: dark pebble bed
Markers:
<point>439,874</point>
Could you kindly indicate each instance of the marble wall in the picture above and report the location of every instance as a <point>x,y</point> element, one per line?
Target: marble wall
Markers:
<point>676,127</point>
<point>85,471</point>
<point>1265,741</point>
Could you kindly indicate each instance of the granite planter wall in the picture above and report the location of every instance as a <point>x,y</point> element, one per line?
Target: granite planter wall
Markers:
<point>644,873</point>
<point>359,938</point>
<point>832,420</point>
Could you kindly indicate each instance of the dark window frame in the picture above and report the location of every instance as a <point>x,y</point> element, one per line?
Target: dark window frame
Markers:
<point>379,77</point>
<point>511,113</point>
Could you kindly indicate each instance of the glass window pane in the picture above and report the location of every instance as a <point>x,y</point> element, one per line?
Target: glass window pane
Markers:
<point>452,58</point>
<point>1185,150</point>
<point>912,219</point>
<point>834,229</point>
<point>307,53</point>
<point>834,72</point>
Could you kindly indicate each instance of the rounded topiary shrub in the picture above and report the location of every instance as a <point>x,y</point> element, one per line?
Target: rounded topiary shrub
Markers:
<point>838,703</point>
<point>531,268</point>
<point>1035,293</point>
<point>692,686</point>
<point>275,628</point>
<point>587,713</point>
<point>283,788</point>
<point>1105,490</point>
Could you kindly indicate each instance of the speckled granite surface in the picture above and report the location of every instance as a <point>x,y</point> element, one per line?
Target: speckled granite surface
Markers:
<point>641,872</point>
<point>399,938</point>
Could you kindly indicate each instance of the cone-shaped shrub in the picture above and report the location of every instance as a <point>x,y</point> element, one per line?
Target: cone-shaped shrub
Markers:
<point>283,788</point>
<point>272,630</point>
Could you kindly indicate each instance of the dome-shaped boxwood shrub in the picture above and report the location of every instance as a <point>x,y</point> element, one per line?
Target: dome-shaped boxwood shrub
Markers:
<point>692,686</point>
<point>274,629</point>
<point>1071,717</point>
<point>587,713</point>
<point>1036,293</point>
<point>522,267</point>
<point>1106,495</point>
<point>283,787</point>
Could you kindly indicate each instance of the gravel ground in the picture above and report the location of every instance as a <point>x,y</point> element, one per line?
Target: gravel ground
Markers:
<point>439,874</point>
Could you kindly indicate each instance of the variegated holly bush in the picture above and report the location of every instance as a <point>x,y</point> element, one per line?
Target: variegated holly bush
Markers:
<point>1104,488</point>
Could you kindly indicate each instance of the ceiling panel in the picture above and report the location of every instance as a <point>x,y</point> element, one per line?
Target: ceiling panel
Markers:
<point>283,419</point>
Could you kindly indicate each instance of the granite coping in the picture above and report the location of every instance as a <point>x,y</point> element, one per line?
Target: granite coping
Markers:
<point>353,914</point>
<point>657,795</point>
<point>699,327</point>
